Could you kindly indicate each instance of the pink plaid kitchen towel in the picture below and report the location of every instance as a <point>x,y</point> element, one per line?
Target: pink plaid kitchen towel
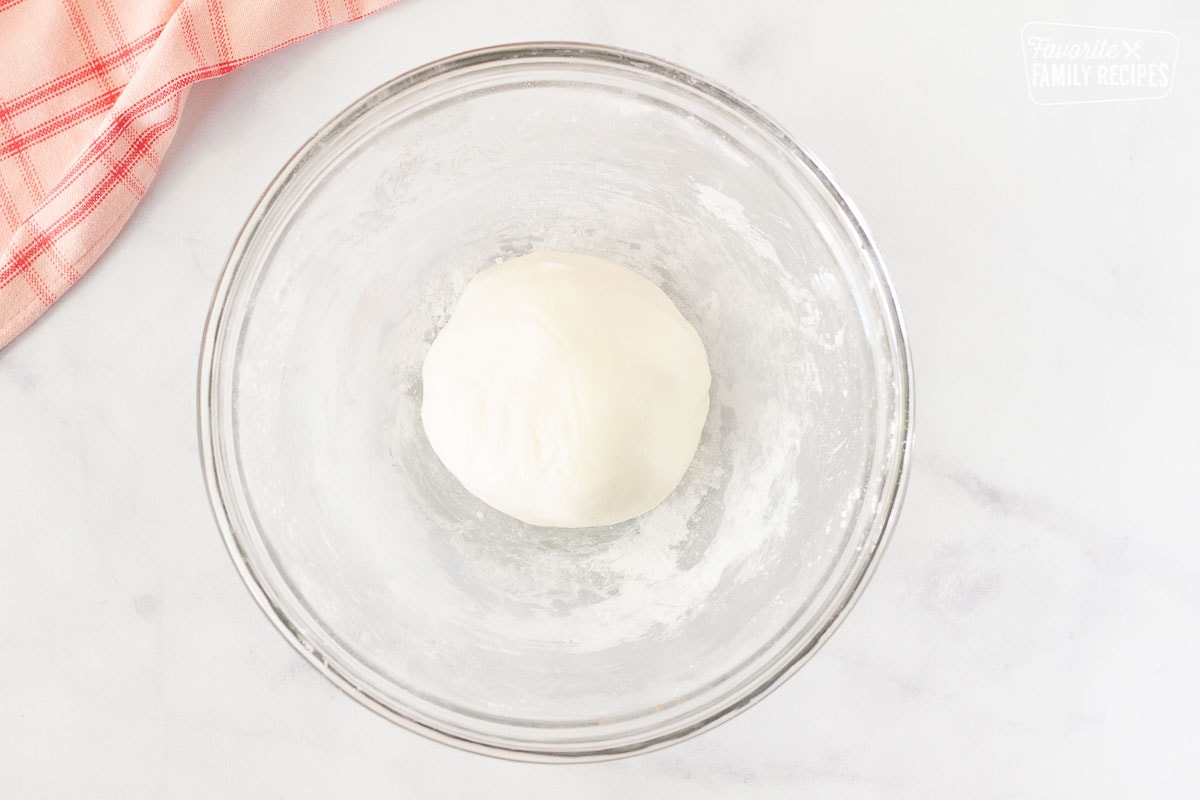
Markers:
<point>90,93</point>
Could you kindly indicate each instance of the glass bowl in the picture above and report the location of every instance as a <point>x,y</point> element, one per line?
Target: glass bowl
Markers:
<point>439,612</point>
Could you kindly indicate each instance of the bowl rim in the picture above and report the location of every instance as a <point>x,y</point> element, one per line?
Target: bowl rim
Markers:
<point>891,499</point>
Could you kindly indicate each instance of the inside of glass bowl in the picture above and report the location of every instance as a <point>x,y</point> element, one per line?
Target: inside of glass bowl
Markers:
<point>448,613</point>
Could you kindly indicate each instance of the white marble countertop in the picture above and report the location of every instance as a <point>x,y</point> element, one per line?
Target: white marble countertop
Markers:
<point>1033,630</point>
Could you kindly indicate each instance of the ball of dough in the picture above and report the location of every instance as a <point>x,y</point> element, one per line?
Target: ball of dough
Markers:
<point>566,391</point>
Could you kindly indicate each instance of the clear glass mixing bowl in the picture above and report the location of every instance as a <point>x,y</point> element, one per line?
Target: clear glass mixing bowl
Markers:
<point>437,611</point>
